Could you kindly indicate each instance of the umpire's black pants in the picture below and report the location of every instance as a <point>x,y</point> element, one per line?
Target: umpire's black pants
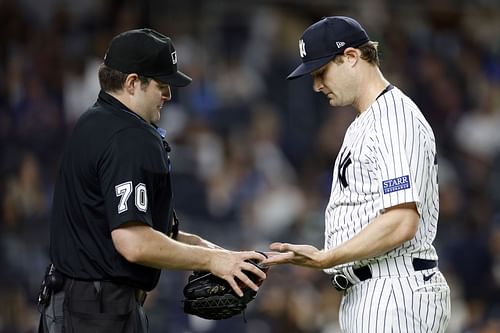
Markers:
<point>94,306</point>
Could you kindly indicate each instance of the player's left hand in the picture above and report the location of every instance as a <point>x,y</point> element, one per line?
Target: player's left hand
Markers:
<point>302,255</point>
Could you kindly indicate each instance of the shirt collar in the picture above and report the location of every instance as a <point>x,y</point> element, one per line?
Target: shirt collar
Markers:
<point>106,98</point>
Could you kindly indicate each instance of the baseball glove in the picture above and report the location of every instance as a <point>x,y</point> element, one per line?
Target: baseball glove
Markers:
<point>210,297</point>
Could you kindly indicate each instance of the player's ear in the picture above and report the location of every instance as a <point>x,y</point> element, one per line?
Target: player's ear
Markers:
<point>352,55</point>
<point>130,83</point>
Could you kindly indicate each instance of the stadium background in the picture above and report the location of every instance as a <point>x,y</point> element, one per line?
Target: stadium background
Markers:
<point>253,153</point>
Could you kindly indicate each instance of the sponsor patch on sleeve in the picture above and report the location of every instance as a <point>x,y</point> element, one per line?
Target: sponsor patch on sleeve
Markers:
<point>396,184</point>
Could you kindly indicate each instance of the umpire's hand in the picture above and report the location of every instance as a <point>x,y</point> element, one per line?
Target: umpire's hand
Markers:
<point>229,265</point>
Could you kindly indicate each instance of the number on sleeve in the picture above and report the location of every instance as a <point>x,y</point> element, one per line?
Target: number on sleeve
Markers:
<point>141,197</point>
<point>123,191</point>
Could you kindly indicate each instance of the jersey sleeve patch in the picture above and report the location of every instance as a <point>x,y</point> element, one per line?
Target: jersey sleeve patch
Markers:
<point>396,184</point>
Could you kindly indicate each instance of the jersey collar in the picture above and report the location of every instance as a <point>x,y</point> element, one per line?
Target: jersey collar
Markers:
<point>116,104</point>
<point>104,97</point>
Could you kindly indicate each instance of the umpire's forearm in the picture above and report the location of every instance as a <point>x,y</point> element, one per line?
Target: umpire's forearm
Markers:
<point>192,239</point>
<point>143,245</point>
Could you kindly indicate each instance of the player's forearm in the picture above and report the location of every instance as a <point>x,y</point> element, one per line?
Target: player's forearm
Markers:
<point>383,234</point>
<point>148,247</point>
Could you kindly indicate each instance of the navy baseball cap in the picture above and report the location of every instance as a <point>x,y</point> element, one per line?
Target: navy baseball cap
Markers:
<point>325,39</point>
<point>147,53</point>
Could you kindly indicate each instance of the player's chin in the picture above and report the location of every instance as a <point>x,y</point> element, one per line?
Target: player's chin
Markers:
<point>336,102</point>
<point>333,102</point>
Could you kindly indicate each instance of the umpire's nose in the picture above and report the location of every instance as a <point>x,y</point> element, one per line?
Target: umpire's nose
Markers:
<point>166,94</point>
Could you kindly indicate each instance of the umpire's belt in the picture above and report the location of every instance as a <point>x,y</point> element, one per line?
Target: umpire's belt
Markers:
<point>341,282</point>
<point>112,287</point>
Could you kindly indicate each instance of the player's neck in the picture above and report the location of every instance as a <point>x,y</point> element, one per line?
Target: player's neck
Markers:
<point>371,85</point>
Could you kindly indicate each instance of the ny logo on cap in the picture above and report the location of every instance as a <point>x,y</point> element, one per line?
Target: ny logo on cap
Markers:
<point>340,44</point>
<point>174,57</point>
<point>302,48</point>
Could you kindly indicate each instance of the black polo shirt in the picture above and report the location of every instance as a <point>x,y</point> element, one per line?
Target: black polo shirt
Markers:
<point>115,169</point>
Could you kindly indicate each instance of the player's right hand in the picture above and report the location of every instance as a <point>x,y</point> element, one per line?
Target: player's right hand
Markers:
<point>301,255</point>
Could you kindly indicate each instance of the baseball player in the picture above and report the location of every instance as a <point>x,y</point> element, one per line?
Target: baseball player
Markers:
<point>382,215</point>
<point>113,227</point>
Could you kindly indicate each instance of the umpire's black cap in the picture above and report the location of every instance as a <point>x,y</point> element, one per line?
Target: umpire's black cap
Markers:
<point>325,39</point>
<point>148,53</point>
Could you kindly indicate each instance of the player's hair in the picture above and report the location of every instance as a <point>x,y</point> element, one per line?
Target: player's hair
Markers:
<point>369,53</point>
<point>112,80</point>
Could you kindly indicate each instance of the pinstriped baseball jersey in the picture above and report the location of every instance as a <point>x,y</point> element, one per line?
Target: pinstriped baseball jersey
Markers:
<point>388,157</point>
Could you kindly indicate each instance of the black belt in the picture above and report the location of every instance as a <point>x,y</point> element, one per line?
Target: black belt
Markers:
<point>340,281</point>
<point>140,295</point>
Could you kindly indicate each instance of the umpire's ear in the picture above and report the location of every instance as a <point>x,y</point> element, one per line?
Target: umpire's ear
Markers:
<point>131,83</point>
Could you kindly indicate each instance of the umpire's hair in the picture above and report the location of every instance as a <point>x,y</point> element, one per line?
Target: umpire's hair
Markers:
<point>112,80</point>
<point>369,53</point>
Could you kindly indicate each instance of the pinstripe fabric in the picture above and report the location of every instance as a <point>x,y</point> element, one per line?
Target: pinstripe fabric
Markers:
<point>384,305</point>
<point>389,140</point>
<point>388,157</point>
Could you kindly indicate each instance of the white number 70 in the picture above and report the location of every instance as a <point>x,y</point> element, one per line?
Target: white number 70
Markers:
<point>124,190</point>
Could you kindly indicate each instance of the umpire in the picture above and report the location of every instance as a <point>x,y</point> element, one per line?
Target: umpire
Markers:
<point>113,226</point>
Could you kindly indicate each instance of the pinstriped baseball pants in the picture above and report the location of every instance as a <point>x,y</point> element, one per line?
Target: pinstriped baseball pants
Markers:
<point>419,302</point>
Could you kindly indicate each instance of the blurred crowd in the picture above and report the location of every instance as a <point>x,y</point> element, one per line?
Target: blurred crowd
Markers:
<point>253,153</point>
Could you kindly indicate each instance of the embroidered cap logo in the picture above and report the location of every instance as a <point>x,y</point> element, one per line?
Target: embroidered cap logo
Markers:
<point>302,48</point>
<point>174,57</point>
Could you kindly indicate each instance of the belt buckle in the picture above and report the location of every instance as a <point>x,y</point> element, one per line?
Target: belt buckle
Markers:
<point>340,282</point>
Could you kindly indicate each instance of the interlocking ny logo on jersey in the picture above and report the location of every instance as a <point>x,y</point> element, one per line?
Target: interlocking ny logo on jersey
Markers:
<point>396,184</point>
<point>345,161</point>
<point>302,48</point>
